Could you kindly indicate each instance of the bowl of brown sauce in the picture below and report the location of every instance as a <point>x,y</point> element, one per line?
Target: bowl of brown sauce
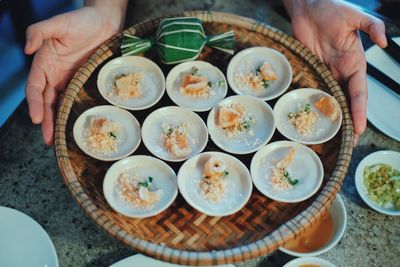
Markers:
<point>322,235</point>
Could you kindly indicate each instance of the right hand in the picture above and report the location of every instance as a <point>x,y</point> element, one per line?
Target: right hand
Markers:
<point>62,43</point>
<point>330,29</point>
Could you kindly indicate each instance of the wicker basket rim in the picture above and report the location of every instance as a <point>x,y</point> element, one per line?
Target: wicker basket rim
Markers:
<point>237,254</point>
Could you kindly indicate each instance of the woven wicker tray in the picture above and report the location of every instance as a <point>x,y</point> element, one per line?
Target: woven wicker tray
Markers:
<point>181,234</point>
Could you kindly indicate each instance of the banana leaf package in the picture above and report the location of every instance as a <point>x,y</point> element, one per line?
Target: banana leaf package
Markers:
<point>178,40</point>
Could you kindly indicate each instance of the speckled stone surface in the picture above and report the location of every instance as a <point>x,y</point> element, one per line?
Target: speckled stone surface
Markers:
<point>30,180</point>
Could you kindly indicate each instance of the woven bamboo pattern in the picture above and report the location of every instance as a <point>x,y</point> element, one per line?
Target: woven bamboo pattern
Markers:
<point>181,234</point>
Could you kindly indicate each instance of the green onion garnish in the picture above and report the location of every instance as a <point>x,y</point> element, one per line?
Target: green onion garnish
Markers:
<point>290,179</point>
<point>112,135</point>
<point>195,71</point>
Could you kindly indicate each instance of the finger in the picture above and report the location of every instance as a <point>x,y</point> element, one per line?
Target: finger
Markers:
<point>355,139</point>
<point>358,97</point>
<point>50,101</point>
<point>35,86</point>
<point>37,33</point>
<point>375,28</point>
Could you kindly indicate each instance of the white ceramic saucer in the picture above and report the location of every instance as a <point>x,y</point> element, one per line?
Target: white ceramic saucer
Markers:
<point>152,86</point>
<point>139,260</point>
<point>309,261</point>
<point>129,136</point>
<point>323,129</point>
<point>215,77</point>
<point>23,241</point>
<point>152,131</point>
<point>164,178</point>
<point>248,60</point>
<point>243,142</point>
<point>238,186</point>
<point>384,156</point>
<point>306,167</point>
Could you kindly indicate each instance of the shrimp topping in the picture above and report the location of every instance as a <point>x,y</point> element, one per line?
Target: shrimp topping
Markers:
<point>128,86</point>
<point>259,79</point>
<point>194,86</point>
<point>329,107</point>
<point>103,135</point>
<point>211,186</point>
<point>266,72</point>
<point>136,191</point>
<point>175,139</point>
<point>280,177</point>
<point>234,118</point>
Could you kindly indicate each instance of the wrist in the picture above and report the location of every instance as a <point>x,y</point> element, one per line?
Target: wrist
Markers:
<point>302,7</point>
<point>111,11</point>
<point>294,7</point>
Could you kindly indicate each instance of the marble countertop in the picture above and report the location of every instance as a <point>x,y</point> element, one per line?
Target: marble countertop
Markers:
<point>30,181</point>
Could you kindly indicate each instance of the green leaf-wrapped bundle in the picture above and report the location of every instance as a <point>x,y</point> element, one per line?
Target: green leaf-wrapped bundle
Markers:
<point>178,40</point>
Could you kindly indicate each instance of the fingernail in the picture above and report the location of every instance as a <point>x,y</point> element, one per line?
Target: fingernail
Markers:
<point>36,120</point>
<point>383,41</point>
<point>28,45</point>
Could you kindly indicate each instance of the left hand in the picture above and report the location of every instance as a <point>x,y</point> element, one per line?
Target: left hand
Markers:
<point>60,47</point>
<point>330,29</point>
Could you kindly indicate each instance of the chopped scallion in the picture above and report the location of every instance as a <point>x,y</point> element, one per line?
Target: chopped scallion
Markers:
<point>112,135</point>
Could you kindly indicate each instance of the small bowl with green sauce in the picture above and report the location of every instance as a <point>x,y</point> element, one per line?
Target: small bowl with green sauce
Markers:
<point>377,181</point>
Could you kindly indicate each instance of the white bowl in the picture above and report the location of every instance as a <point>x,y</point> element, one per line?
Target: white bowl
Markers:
<point>339,218</point>
<point>309,261</point>
<point>153,84</point>
<point>174,79</point>
<point>129,135</point>
<point>238,185</point>
<point>163,178</point>
<point>243,143</point>
<point>23,241</point>
<point>152,131</point>
<point>140,260</point>
<point>324,128</point>
<point>384,156</point>
<point>305,167</point>
<point>248,60</point>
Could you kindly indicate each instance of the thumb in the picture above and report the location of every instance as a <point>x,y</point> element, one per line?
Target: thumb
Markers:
<point>37,33</point>
<point>375,28</point>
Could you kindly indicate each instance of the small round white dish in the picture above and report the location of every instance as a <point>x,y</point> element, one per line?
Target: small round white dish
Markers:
<point>323,129</point>
<point>164,178</point>
<point>152,131</point>
<point>128,136</point>
<point>306,167</point>
<point>152,85</point>
<point>237,184</point>
<point>384,156</point>
<point>249,60</point>
<point>140,260</point>
<point>243,142</point>
<point>23,241</point>
<point>309,261</point>
<point>218,85</point>
<point>339,220</point>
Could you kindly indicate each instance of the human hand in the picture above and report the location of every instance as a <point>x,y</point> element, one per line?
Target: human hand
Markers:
<point>62,44</point>
<point>329,28</point>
